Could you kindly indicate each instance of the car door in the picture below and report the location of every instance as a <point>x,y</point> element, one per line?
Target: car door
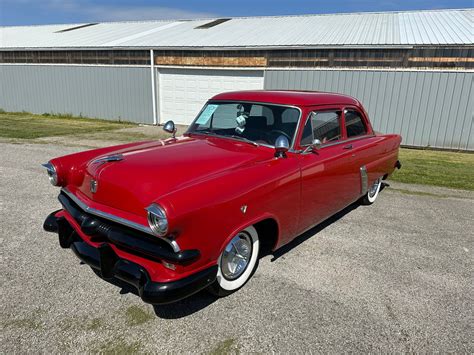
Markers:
<point>361,140</point>
<point>325,173</point>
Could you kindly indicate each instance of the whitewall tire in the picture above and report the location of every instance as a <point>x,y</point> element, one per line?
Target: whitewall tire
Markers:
<point>371,195</point>
<point>237,262</point>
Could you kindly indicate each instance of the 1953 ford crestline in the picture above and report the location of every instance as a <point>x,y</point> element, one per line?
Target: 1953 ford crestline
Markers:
<point>253,171</point>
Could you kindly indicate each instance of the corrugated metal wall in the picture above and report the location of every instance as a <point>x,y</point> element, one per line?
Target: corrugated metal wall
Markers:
<point>91,91</point>
<point>428,108</point>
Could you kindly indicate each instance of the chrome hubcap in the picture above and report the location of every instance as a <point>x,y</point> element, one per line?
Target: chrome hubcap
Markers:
<point>236,256</point>
<point>373,189</point>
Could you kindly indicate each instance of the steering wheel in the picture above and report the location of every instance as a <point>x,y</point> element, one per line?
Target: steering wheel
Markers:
<point>275,133</point>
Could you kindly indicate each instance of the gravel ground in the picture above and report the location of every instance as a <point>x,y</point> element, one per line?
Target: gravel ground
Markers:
<point>392,277</point>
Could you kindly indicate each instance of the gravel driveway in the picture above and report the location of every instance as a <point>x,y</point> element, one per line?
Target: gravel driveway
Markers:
<point>392,277</point>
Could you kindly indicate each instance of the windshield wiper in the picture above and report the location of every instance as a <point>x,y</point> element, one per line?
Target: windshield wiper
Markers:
<point>205,131</point>
<point>245,140</point>
<point>240,138</point>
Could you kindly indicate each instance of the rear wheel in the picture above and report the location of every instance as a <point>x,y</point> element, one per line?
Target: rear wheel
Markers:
<point>237,262</point>
<point>371,195</point>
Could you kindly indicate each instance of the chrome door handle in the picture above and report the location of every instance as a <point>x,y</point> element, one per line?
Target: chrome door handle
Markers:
<point>349,146</point>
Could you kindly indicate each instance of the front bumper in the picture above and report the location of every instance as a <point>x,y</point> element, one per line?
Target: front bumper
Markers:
<point>110,266</point>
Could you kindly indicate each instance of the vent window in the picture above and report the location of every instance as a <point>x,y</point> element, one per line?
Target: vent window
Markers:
<point>76,27</point>
<point>212,24</point>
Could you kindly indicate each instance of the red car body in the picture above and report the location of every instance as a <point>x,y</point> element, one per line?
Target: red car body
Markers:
<point>210,188</point>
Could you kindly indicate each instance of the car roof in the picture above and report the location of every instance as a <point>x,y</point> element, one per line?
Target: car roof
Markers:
<point>290,97</point>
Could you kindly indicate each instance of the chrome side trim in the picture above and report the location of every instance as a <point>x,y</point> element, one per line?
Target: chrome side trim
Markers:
<point>119,220</point>
<point>345,141</point>
<point>364,180</point>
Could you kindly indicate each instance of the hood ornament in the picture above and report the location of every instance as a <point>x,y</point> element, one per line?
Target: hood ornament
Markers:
<point>109,158</point>
<point>93,186</point>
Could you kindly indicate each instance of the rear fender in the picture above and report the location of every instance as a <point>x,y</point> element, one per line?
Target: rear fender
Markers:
<point>381,167</point>
<point>387,159</point>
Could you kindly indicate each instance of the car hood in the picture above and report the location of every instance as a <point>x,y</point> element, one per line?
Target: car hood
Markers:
<point>141,174</point>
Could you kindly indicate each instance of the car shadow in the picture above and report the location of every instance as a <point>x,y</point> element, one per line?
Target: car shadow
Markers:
<point>318,228</point>
<point>175,310</point>
<point>185,307</point>
<point>311,232</point>
<point>202,299</point>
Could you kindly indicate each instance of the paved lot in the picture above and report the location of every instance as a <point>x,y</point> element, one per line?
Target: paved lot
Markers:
<point>393,277</point>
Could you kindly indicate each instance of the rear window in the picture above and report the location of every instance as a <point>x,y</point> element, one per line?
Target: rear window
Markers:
<point>355,125</point>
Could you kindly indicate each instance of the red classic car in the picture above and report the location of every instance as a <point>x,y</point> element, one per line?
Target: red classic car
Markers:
<point>253,171</point>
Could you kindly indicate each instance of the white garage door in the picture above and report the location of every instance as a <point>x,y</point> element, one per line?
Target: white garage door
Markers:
<point>183,92</point>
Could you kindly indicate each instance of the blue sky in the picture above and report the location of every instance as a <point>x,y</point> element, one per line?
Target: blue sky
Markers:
<point>25,12</point>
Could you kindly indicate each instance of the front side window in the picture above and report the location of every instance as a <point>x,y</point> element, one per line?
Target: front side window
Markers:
<point>322,125</point>
<point>354,124</point>
<point>260,123</point>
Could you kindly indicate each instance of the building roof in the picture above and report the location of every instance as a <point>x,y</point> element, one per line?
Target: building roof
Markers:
<point>433,27</point>
<point>288,97</point>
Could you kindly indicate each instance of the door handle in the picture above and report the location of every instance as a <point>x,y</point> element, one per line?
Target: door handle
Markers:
<point>349,146</point>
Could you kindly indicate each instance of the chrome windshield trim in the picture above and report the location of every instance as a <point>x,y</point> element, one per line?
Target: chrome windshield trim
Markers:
<point>293,141</point>
<point>118,220</point>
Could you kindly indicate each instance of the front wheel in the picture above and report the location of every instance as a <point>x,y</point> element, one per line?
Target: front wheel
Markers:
<point>237,262</point>
<point>371,195</point>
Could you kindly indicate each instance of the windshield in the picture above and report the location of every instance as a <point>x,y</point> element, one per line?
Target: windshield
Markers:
<point>254,122</point>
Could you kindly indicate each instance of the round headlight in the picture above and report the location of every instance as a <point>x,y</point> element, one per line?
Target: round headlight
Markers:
<point>157,220</point>
<point>52,174</point>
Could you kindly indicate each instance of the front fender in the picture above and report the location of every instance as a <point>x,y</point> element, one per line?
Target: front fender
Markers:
<point>72,166</point>
<point>204,216</point>
<point>252,221</point>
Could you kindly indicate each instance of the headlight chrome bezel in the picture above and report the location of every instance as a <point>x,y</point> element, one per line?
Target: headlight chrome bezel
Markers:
<point>157,219</point>
<point>52,173</point>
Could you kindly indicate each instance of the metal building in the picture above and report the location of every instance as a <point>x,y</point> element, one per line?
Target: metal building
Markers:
<point>413,71</point>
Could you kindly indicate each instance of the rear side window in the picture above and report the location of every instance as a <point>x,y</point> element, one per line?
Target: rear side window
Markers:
<point>322,125</point>
<point>355,125</point>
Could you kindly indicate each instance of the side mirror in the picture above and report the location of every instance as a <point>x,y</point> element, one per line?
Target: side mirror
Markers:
<point>282,145</point>
<point>315,145</point>
<point>170,128</point>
